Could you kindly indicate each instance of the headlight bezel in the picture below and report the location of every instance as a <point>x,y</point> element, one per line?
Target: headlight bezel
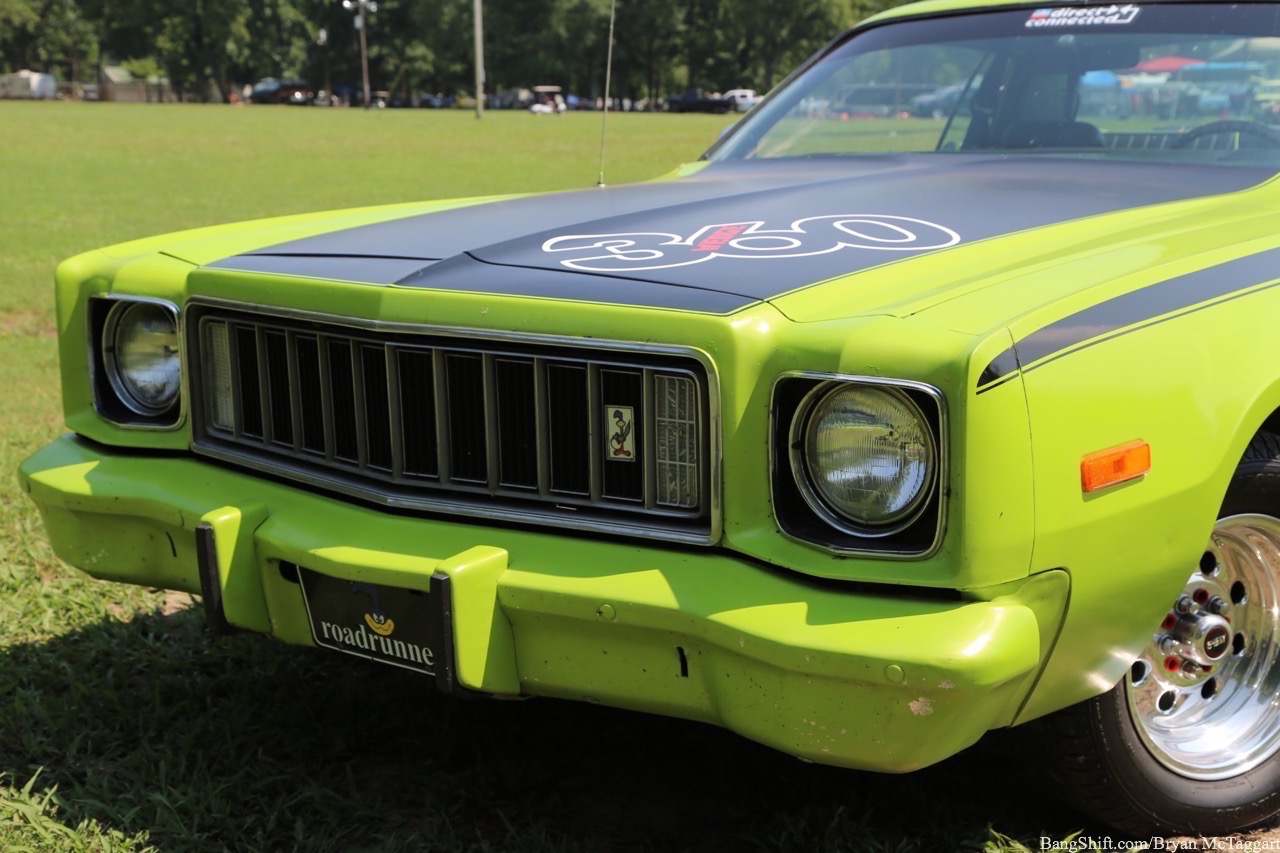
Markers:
<point>802,466</point>
<point>114,400</point>
<point>798,520</point>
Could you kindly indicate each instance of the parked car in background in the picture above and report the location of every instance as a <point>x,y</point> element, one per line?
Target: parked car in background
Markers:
<point>273,91</point>
<point>879,99</point>
<point>435,102</point>
<point>698,101</point>
<point>742,99</point>
<point>943,101</point>
<point>517,98</point>
<point>862,436</point>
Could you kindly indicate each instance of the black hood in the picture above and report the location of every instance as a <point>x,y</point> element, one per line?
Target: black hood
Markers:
<point>736,232</point>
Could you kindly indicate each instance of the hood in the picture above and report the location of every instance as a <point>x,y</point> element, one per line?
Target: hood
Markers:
<point>737,232</point>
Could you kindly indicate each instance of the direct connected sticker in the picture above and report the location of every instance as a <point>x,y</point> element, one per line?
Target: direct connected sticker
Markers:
<point>1094,16</point>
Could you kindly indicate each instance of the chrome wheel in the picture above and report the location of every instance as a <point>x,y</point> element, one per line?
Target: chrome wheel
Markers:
<point>1189,742</point>
<point>1204,694</point>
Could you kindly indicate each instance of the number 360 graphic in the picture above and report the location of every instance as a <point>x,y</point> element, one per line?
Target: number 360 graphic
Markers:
<point>815,235</point>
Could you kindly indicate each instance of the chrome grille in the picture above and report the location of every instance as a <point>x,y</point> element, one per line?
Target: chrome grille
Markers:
<point>678,458</point>
<point>592,438</point>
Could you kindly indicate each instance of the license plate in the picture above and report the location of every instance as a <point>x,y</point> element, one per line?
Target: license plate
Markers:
<point>381,623</point>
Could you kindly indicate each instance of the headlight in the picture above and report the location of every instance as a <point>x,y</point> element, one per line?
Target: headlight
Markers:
<point>864,457</point>
<point>140,351</point>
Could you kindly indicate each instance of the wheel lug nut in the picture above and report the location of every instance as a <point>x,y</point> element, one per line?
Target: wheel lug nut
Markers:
<point>1190,668</point>
<point>1218,606</point>
<point>1184,604</point>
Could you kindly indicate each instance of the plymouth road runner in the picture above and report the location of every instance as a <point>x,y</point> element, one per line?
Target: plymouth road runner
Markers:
<point>861,436</point>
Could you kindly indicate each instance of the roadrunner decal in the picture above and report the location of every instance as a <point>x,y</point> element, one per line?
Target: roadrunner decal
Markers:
<point>622,441</point>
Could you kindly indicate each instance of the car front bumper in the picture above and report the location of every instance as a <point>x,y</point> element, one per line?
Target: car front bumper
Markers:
<point>838,674</point>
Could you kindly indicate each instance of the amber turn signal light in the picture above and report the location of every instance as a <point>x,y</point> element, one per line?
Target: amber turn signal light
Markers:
<point>1108,467</point>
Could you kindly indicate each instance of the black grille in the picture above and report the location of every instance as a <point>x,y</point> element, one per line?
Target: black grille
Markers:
<point>427,421</point>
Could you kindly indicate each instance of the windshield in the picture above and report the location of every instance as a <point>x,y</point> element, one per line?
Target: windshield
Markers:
<point>1163,82</point>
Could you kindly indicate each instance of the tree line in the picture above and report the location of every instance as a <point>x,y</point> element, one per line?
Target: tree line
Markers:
<point>209,48</point>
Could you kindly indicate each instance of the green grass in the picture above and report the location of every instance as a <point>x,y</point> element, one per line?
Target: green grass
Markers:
<point>124,726</point>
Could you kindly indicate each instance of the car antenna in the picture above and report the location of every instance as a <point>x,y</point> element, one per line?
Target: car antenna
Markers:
<point>608,74</point>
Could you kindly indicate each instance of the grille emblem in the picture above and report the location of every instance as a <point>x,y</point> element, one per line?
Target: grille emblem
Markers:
<point>622,440</point>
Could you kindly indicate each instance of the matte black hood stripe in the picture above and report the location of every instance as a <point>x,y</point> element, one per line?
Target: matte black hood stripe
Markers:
<point>744,231</point>
<point>466,274</point>
<point>1132,311</point>
<point>354,270</point>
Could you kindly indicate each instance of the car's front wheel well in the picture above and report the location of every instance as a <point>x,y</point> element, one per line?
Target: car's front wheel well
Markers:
<point>1264,445</point>
<point>1187,741</point>
<point>1272,423</point>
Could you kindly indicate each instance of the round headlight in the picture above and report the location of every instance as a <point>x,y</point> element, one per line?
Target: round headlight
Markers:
<point>864,454</point>
<point>141,354</point>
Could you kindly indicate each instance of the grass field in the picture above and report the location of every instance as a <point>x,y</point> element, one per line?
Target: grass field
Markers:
<point>123,726</point>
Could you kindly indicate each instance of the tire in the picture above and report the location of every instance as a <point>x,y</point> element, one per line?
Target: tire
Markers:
<point>1187,742</point>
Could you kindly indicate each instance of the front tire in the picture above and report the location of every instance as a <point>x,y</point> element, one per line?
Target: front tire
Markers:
<point>1187,742</point>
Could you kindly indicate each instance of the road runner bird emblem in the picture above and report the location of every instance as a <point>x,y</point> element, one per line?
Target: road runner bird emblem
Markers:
<point>378,622</point>
<point>622,442</point>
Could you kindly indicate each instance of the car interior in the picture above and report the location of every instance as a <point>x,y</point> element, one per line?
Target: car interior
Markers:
<point>1099,93</point>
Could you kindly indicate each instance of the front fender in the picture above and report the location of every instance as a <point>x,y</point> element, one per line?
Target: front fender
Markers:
<point>1196,385</point>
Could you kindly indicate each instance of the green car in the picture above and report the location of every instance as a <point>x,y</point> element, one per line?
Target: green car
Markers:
<point>861,436</point>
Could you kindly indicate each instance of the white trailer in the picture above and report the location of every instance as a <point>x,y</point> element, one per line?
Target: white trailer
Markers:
<point>28,85</point>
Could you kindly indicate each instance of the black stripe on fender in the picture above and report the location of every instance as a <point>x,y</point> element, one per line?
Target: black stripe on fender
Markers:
<point>1121,314</point>
<point>1000,370</point>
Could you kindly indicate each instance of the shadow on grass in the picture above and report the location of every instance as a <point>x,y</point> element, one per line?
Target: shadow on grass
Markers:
<point>153,727</point>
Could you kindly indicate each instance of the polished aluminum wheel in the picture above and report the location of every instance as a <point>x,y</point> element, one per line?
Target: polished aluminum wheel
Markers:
<point>1204,693</point>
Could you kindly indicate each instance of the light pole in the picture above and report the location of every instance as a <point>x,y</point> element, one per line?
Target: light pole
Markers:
<point>322,42</point>
<point>479,38</point>
<point>362,8</point>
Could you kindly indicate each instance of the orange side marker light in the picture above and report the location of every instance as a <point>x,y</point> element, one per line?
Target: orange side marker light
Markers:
<point>1117,465</point>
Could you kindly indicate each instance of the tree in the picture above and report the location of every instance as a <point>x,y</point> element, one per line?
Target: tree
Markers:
<point>272,38</point>
<point>208,46</point>
<point>64,40</point>
<point>17,21</point>
<point>648,49</point>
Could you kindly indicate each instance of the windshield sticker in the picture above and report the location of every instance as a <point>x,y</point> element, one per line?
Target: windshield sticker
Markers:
<point>1087,17</point>
<point>816,235</point>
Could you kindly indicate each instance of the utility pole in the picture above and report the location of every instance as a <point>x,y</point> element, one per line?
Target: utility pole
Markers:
<point>322,42</point>
<point>479,5</point>
<point>361,7</point>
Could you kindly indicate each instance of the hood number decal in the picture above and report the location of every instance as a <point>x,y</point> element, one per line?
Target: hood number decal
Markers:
<point>816,235</point>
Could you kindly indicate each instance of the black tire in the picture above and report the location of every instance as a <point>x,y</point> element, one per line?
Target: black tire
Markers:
<point>1098,761</point>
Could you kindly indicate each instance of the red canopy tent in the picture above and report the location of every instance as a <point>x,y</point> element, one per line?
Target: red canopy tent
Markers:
<point>1168,64</point>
